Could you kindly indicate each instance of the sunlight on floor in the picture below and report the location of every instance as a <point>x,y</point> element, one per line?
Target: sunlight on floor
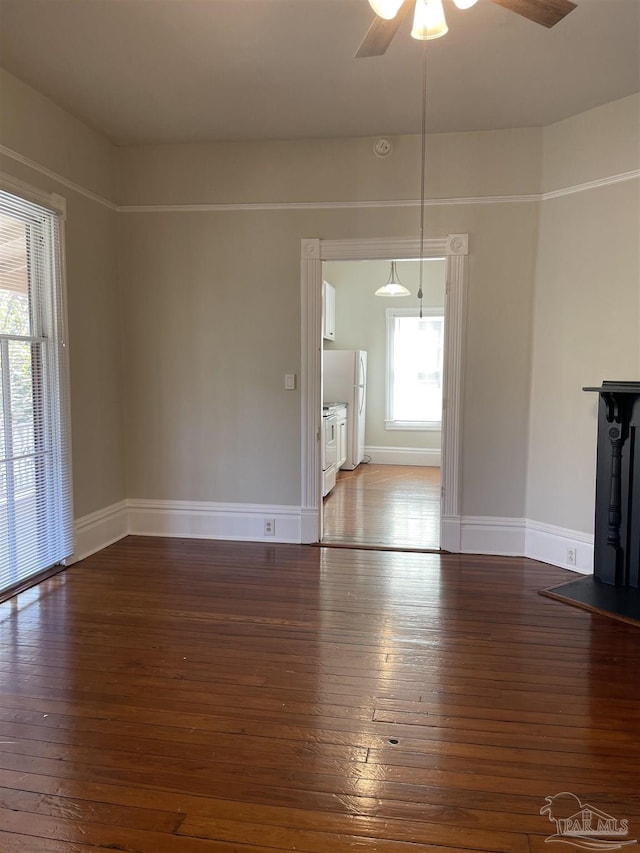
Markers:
<point>386,505</point>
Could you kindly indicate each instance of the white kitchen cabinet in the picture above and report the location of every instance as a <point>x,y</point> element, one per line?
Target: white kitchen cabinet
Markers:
<point>328,311</point>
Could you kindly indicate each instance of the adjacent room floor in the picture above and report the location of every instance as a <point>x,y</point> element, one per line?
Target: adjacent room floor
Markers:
<point>384,505</point>
<point>184,696</point>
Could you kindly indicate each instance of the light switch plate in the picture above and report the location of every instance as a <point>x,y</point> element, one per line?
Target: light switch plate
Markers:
<point>290,381</point>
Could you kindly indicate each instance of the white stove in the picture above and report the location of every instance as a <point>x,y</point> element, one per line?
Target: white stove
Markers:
<point>329,439</point>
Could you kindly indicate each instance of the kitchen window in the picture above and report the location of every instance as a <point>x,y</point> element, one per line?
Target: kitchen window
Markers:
<point>36,519</point>
<point>415,348</point>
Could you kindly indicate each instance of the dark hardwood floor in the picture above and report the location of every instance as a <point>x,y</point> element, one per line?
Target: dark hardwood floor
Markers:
<point>182,696</point>
<point>384,505</point>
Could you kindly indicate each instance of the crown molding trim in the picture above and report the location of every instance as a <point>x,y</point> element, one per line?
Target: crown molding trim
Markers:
<point>323,205</point>
<point>634,174</point>
<point>77,188</point>
<point>530,198</point>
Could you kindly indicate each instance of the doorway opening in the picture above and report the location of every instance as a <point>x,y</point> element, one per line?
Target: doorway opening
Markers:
<point>382,383</point>
<point>454,249</point>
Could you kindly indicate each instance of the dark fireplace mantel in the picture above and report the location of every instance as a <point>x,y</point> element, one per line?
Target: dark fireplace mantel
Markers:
<point>614,588</point>
<point>617,517</point>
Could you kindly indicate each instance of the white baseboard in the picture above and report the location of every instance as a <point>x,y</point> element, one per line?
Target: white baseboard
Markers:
<point>427,457</point>
<point>450,533</point>
<point>499,536</point>
<point>309,526</point>
<point>95,531</point>
<point>205,520</point>
<point>550,544</point>
<point>518,537</point>
<point>481,534</point>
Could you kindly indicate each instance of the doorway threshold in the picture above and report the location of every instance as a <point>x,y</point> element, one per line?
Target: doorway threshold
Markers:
<point>363,546</point>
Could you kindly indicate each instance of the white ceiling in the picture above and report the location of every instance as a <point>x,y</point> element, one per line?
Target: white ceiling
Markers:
<point>195,70</point>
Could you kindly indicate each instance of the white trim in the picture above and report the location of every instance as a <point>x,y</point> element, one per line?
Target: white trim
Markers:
<point>65,355</point>
<point>325,205</point>
<point>519,537</point>
<point>413,426</point>
<point>526,198</point>
<point>25,161</point>
<point>453,247</point>
<point>309,526</point>
<point>491,535</point>
<point>522,198</point>
<point>481,534</point>
<point>592,185</point>
<point>380,248</point>
<point>452,396</point>
<point>207,520</point>
<point>311,318</point>
<point>51,201</point>
<point>428,457</point>
<point>450,533</point>
<point>549,544</point>
<point>95,531</point>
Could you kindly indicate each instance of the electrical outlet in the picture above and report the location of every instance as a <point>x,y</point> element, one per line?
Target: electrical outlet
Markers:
<point>269,527</point>
<point>571,556</point>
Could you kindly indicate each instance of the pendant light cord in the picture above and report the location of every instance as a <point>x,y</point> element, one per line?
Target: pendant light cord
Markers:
<point>423,167</point>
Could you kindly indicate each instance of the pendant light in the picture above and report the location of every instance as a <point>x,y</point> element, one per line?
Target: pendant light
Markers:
<point>394,286</point>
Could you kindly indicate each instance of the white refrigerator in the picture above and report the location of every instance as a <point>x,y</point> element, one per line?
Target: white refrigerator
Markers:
<point>344,380</point>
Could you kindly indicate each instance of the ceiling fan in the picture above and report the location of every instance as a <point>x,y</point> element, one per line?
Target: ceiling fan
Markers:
<point>429,21</point>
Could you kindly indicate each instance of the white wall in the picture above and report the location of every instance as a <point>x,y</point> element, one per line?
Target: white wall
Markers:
<point>207,257</point>
<point>587,304</point>
<point>485,163</point>
<point>211,305</point>
<point>50,150</point>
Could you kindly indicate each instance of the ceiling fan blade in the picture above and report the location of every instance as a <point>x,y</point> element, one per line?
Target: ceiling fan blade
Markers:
<point>381,32</point>
<point>545,12</point>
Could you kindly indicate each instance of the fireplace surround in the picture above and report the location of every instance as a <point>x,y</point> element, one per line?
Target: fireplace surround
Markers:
<point>614,588</point>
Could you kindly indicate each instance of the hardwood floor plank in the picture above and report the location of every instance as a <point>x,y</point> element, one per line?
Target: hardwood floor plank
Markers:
<point>316,810</point>
<point>189,696</point>
<point>362,834</point>
<point>11,842</point>
<point>443,730</point>
<point>81,810</point>
<point>384,505</point>
<point>103,836</point>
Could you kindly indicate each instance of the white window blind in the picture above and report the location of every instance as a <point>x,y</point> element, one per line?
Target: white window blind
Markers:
<point>36,517</point>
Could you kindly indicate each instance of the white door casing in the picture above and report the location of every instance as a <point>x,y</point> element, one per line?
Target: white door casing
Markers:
<point>454,248</point>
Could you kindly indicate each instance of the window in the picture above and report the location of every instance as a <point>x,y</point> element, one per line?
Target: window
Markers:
<point>414,368</point>
<point>36,521</point>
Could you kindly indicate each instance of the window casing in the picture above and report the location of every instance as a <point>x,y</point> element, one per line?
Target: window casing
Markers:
<point>414,376</point>
<point>36,517</point>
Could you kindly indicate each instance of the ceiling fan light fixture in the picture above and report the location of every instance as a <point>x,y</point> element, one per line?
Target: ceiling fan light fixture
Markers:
<point>394,286</point>
<point>386,9</point>
<point>429,21</point>
<point>464,4</point>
